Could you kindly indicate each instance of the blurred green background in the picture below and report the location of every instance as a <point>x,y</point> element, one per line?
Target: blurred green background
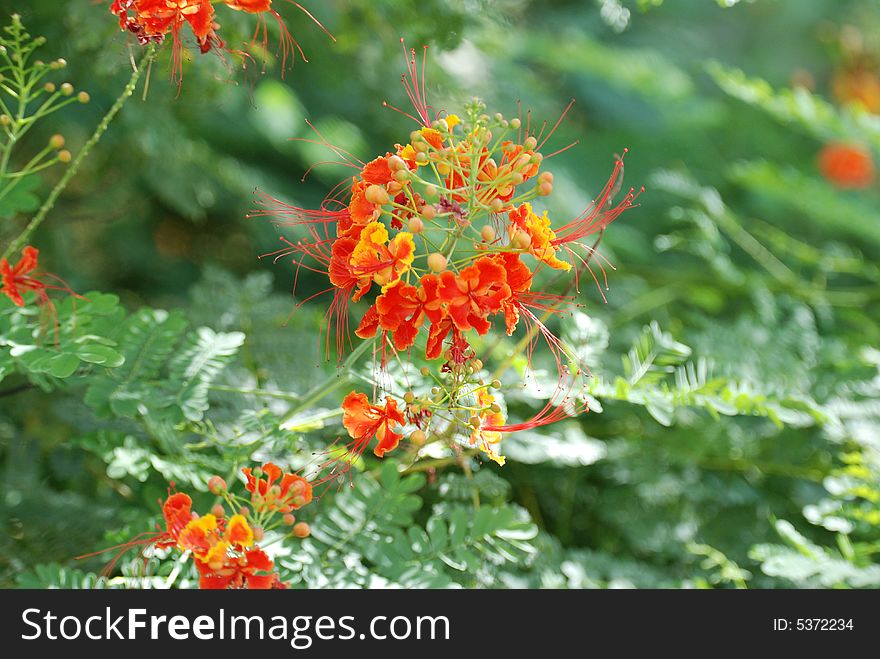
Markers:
<point>757,465</point>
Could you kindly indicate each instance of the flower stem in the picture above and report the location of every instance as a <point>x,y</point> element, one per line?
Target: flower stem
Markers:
<point>59,188</point>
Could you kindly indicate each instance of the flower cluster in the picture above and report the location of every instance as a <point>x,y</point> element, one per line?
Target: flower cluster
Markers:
<point>440,234</point>
<point>224,544</point>
<point>153,20</point>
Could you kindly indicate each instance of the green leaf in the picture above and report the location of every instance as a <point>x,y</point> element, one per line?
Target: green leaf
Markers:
<point>194,369</point>
<point>100,355</point>
<point>21,199</point>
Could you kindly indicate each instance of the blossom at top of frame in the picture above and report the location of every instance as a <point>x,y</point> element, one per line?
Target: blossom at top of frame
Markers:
<point>154,20</point>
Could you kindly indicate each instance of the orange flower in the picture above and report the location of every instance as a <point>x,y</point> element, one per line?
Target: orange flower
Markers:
<point>239,532</point>
<point>17,279</point>
<point>364,421</point>
<point>153,20</point>
<point>252,570</point>
<point>360,211</point>
<point>160,17</point>
<point>402,310</point>
<point>437,334</point>
<point>291,492</point>
<point>539,237</point>
<point>377,172</point>
<point>202,537</point>
<point>519,279</point>
<point>384,263</point>
<point>846,166</point>
<point>177,511</point>
<point>477,292</point>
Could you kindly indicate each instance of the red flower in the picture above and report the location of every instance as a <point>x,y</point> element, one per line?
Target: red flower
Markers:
<point>360,211</point>
<point>17,279</point>
<point>252,570</point>
<point>402,310</point>
<point>152,20</point>
<point>291,492</point>
<point>519,279</point>
<point>377,171</point>
<point>177,512</point>
<point>364,421</point>
<point>478,291</point>
<point>846,166</point>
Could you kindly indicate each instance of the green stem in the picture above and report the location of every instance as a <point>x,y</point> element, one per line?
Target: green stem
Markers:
<point>47,206</point>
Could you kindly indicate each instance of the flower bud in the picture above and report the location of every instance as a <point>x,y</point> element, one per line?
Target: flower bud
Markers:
<point>49,87</point>
<point>417,438</point>
<point>67,89</point>
<point>415,225</point>
<point>396,163</point>
<point>495,407</point>
<point>474,421</point>
<point>530,143</point>
<point>522,240</point>
<point>402,175</point>
<point>496,205</point>
<point>64,156</point>
<point>425,371</point>
<point>431,191</point>
<point>545,189</point>
<point>288,519</point>
<point>216,485</point>
<point>496,384</point>
<point>83,97</point>
<point>258,533</point>
<point>429,212</point>
<point>515,123</point>
<point>408,397</point>
<point>437,262</point>
<point>422,158</point>
<point>301,530</point>
<point>218,511</point>
<point>56,142</point>
<point>376,194</point>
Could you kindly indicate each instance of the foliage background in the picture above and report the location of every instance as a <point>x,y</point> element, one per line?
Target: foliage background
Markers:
<point>736,442</point>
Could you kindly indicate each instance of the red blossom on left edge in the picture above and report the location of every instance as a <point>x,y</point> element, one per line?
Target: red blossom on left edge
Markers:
<point>24,277</point>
